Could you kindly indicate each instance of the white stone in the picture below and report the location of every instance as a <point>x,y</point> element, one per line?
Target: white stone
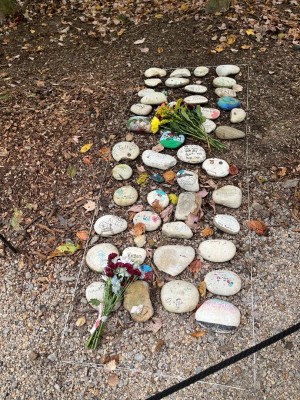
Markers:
<point>121,172</point>
<point>227,69</point>
<point>223,282</point>
<point>237,88</point>
<point>191,153</point>
<point>145,92</point>
<point>152,82</point>
<point>237,115</point>
<point>176,82</point>
<point>218,315</point>
<point>177,230</point>
<point>187,180</point>
<point>151,72</point>
<point>125,196</point>
<point>195,99</point>
<point>154,98</point>
<point>228,195</point>
<point>217,250</point>
<point>209,126</point>
<point>136,254</point>
<point>227,223</point>
<point>225,92</point>
<point>141,109</point>
<point>216,167</point>
<point>179,296</point>
<point>201,71</point>
<point>210,113</point>
<point>125,151</point>
<point>229,133</point>
<point>173,259</point>
<point>150,219</point>
<point>96,257</point>
<point>158,160</point>
<point>224,82</point>
<point>109,225</point>
<point>159,197</point>
<point>180,73</point>
<point>197,89</point>
<point>188,203</point>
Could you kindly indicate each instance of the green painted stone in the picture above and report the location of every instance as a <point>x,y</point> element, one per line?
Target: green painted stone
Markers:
<point>170,140</point>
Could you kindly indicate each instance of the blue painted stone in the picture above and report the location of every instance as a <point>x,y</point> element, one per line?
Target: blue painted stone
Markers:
<point>170,140</point>
<point>157,178</point>
<point>228,103</point>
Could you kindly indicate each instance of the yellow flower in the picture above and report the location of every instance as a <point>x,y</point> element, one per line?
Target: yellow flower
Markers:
<point>155,122</point>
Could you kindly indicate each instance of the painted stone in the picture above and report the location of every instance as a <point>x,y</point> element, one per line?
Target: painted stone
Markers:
<point>137,301</point>
<point>217,250</point>
<point>150,219</point>
<point>224,82</point>
<point>152,72</point>
<point>195,99</point>
<point>188,202</point>
<point>180,73</point>
<point>229,133</point>
<point>197,89</point>
<point>97,256</point>
<point>187,180</point>
<point>109,225</point>
<point>154,98</point>
<point>179,296</point>
<point>176,82</point>
<point>157,178</point>
<point>152,82</point>
<point>136,254</point>
<point>224,92</point>
<point>171,140</point>
<point>228,103</point>
<point>223,282</point>
<point>158,160</point>
<point>173,259</point>
<point>227,223</point>
<point>177,230</point>
<point>227,69</point>
<point>201,71</point>
<point>139,124</point>
<point>145,92</point>
<point>210,113</point>
<point>125,196</point>
<point>228,195</point>
<point>141,109</point>
<point>159,197</point>
<point>216,167</point>
<point>121,172</point>
<point>192,154</point>
<point>237,115</point>
<point>125,151</point>
<point>218,316</point>
<point>209,126</point>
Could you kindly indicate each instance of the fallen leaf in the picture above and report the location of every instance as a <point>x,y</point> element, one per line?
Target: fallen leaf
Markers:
<point>173,198</point>
<point>158,16</point>
<point>142,179</point>
<point>159,283</point>
<point>65,249</point>
<point>246,46</point>
<point>282,172</point>
<point>16,219</point>
<point>257,226</point>
<point>212,184</point>
<point>40,83</point>
<point>140,168</point>
<point>233,170</point>
<point>198,334</point>
<point>80,322</point>
<point>167,213</point>
<point>87,160</point>
<point>160,50</point>
<point>231,39</point>
<point>136,208</point>
<point>159,147</point>
<point>221,47</point>
<point>154,325</point>
<point>3,152</point>
<point>139,41</point>
<point>129,137</point>
<point>207,231</point>
<point>203,193</point>
<point>105,153</point>
<point>158,346</point>
<point>144,49</point>
<point>250,32</point>
<point>113,380</point>
<point>71,171</point>
<point>169,176</point>
<point>202,289</point>
<point>82,235</point>
<point>192,222</point>
<point>86,147</point>
<point>195,267</point>
<point>121,31</point>
<point>157,207</point>
<point>184,7</point>
<point>75,139</point>
<point>89,205</point>
<point>111,365</point>
<point>138,229</point>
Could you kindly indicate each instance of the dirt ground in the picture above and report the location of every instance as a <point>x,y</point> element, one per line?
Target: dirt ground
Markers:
<point>57,95</point>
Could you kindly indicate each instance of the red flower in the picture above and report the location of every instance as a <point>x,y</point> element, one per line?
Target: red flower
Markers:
<point>112,256</point>
<point>137,272</point>
<point>108,272</point>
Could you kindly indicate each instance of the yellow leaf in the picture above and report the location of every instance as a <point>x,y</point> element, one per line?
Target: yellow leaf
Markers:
<point>81,321</point>
<point>207,231</point>
<point>86,147</point>
<point>158,16</point>
<point>121,31</point>
<point>142,179</point>
<point>198,334</point>
<point>246,46</point>
<point>231,39</point>
<point>221,47</point>
<point>250,32</point>
<point>65,249</point>
<point>173,198</point>
<point>32,31</point>
<point>202,289</point>
<point>184,7</point>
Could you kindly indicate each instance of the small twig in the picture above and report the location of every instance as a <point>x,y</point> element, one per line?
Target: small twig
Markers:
<point>8,244</point>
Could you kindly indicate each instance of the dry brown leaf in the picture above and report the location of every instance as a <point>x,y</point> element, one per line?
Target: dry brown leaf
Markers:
<point>159,283</point>
<point>89,205</point>
<point>136,208</point>
<point>87,160</point>
<point>113,380</point>
<point>159,147</point>
<point>111,365</point>
<point>167,213</point>
<point>80,322</point>
<point>198,334</point>
<point>212,184</point>
<point>207,231</point>
<point>82,235</point>
<point>282,172</point>
<point>154,325</point>
<point>202,289</point>
<point>257,226</point>
<point>233,170</point>
<point>157,207</point>
<point>105,153</point>
<point>169,176</point>
<point>231,39</point>
<point>140,168</point>
<point>158,346</point>
<point>192,222</point>
<point>195,267</point>
<point>138,229</point>
<point>246,46</point>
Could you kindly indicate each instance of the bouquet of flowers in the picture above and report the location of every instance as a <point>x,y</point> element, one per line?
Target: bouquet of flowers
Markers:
<point>118,275</point>
<point>183,118</point>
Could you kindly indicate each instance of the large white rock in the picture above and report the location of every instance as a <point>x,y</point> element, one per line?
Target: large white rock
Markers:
<point>173,259</point>
<point>227,223</point>
<point>141,109</point>
<point>154,98</point>
<point>195,99</point>
<point>197,89</point>
<point>237,115</point>
<point>227,132</point>
<point>109,225</point>
<point>150,219</point>
<point>176,82</point>
<point>188,180</point>
<point>145,92</point>
<point>159,197</point>
<point>152,72</point>
<point>225,92</point>
<point>218,315</point>
<point>192,154</point>
<point>121,172</point>
<point>209,126</point>
<point>177,230</point>
<point>188,203</point>
<point>136,254</point>
<point>216,167</point>
<point>228,195</point>
<point>152,82</point>
<point>217,250</point>
<point>179,296</point>
<point>201,71</point>
<point>180,73</point>
<point>95,291</point>
<point>96,257</point>
<point>125,196</point>
<point>227,69</point>
<point>158,160</point>
<point>223,282</point>
<point>210,113</point>
<point>125,151</point>
<point>224,82</point>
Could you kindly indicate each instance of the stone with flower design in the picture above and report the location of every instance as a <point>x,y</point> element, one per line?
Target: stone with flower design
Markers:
<point>191,153</point>
<point>125,151</point>
<point>109,225</point>
<point>141,109</point>
<point>154,71</point>
<point>137,301</point>
<point>201,71</point>
<point>195,99</point>
<point>228,103</point>
<point>223,282</point>
<point>210,113</point>
<point>158,160</point>
<point>180,73</point>
<point>152,82</point>
<point>173,259</point>
<point>223,81</point>
<point>179,296</point>
<point>154,98</point>
<point>197,89</point>
<point>171,140</point>
<point>139,124</point>
<point>188,180</point>
<point>158,197</point>
<point>97,256</point>
<point>216,167</point>
<point>150,219</point>
<point>137,255</point>
<point>125,196</point>
<point>176,82</point>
